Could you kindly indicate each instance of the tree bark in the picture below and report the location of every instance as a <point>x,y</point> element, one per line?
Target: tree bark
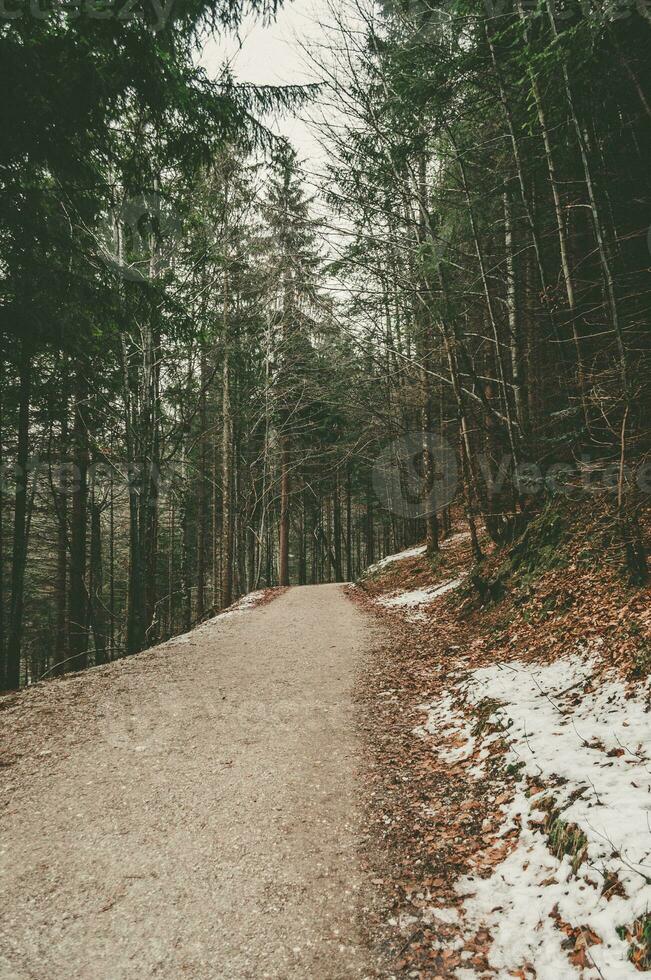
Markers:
<point>98,609</point>
<point>563,242</point>
<point>227,480</point>
<point>78,596</point>
<point>202,502</point>
<point>283,527</point>
<point>350,575</point>
<point>19,548</point>
<point>61,598</point>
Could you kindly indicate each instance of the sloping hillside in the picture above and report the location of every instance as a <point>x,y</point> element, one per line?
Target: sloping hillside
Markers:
<point>512,759</point>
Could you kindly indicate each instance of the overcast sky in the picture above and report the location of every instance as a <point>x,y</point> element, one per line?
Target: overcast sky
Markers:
<point>272,55</point>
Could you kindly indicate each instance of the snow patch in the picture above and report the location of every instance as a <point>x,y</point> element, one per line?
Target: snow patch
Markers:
<point>448,916</point>
<point>399,556</point>
<point>455,539</point>
<point>590,749</point>
<point>420,597</point>
<point>247,601</point>
<point>450,727</point>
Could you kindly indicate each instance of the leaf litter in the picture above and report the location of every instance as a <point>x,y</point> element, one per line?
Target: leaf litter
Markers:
<point>509,760</point>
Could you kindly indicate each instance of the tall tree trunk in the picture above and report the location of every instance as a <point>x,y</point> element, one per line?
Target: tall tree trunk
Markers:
<point>149,436</point>
<point>490,306</point>
<point>215,525</point>
<point>111,649</point>
<point>473,488</point>
<point>186,572</point>
<point>227,481</point>
<point>19,548</point>
<point>240,524</point>
<point>171,578</point>
<point>61,597</point>
<point>135,627</point>
<point>424,346</point>
<point>603,248</point>
<point>251,544</point>
<point>563,241</point>
<point>202,502</point>
<point>78,597</point>
<point>302,539</point>
<point>3,662</point>
<point>526,198</point>
<point>515,338</point>
<point>350,574</point>
<point>370,537</point>
<point>98,609</point>
<point>336,523</point>
<point>283,526</point>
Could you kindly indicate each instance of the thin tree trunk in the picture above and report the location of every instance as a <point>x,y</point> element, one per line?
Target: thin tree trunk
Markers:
<point>350,574</point>
<point>302,554</point>
<point>202,502</point>
<point>111,565</point>
<point>513,314</point>
<point>98,611</point>
<point>563,242</point>
<point>499,358</point>
<point>78,598</point>
<point>227,479</point>
<point>19,549</point>
<point>370,539</point>
<point>336,523</point>
<point>61,598</point>
<point>423,346</point>
<point>283,527</point>
<point>171,582</point>
<point>186,588</point>
<point>602,245</point>
<point>3,663</point>
<point>135,625</point>
<point>527,203</point>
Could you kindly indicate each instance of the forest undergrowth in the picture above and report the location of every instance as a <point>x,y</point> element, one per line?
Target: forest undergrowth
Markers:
<point>506,723</point>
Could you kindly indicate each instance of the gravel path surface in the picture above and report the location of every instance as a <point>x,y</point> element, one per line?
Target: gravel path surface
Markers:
<point>193,811</point>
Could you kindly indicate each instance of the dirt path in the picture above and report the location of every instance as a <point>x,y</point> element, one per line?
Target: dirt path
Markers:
<point>193,811</point>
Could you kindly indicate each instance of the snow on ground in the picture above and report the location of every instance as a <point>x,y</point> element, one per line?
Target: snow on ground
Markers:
<point>399,556</point>
<point>448,723</point>
<point>242,605</point>
<point>420,597</point>
<point>414,552</point>
<point>455,539</point>
<point>589,746</point>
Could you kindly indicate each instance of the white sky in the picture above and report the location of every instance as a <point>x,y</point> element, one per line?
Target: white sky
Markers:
<point>275,55</point>
<point>272,55</point>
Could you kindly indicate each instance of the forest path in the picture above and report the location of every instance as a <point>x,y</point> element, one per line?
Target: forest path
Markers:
<point>194,811</point>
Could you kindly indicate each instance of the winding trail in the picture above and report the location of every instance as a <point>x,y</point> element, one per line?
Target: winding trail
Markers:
<point>193,811</point>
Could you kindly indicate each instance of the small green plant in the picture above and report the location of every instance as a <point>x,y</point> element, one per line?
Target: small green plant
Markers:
<point>515,769</point>
<point>638,937</point>
<point>566,838</point>
<point>641,663</point>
